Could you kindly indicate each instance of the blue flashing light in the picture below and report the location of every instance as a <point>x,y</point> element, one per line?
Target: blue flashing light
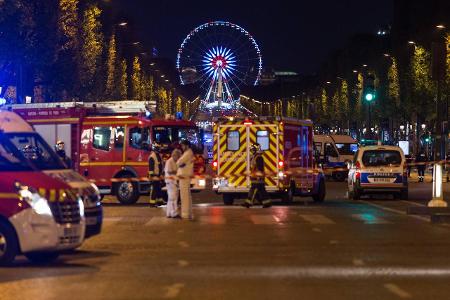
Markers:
<point>148,115</point>
<point>179,115</point>
<point>2,101</point>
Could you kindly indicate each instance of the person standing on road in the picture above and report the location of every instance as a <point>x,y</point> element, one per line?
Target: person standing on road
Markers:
<point>257,188</point>
<point>185,172</point>
<point>421,160</point>
<point>155,168</point>
<point>170,171</point>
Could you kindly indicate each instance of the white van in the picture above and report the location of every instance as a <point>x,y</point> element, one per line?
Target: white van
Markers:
<point>335,152</point>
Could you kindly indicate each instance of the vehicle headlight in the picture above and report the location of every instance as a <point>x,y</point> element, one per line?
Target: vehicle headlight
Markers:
<point>32,197</point>
<point>280,175</point>
<point>81,205</point>
<point>201,182</point>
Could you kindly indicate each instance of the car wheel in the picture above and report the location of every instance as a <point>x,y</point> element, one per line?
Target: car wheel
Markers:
<point>339,176</point>
<point>228,199</point>
<point>404,195</point>
<point>321,192</point>
<point>42,257</point>
<point>127,191</point>
<point>9,245</point>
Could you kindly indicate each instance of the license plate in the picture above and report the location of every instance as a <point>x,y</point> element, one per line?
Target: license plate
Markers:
<point>91,221</point>
<point>71,231</point>
<point>381,179</point>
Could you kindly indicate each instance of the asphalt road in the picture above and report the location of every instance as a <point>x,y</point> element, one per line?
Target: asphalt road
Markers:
<point>369,249</point>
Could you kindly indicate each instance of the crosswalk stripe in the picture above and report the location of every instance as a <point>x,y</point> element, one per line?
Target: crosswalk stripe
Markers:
<point>108,221</point>
<point>317,219</point>
<point>159,221</point>
<point>263,220</point>
<point>370,219</point>
<point>212,220</point>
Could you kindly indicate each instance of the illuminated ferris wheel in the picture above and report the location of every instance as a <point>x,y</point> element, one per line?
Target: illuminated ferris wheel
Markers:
<point>220,57</point>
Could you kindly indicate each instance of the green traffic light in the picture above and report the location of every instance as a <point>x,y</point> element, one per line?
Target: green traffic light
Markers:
<point>370,97</point>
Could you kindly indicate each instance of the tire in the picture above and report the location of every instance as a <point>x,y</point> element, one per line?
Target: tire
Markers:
<point>42,257</point>
<point>9,245</point>
<point>356,195</point>
<point>228,199</point>
<point>126,191</point>
<point>339,176</point>
<point>288,196</point>
<point>321,192</point>
<point>404,195</point>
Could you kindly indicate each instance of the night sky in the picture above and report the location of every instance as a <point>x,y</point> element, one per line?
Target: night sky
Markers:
<point>292,35</point>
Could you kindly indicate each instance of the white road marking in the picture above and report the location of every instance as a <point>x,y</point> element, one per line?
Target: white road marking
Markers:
<point>369,218</point>
<point>325,272</point>
<point>183,244</point>
<point>358,262</point>
<point>315,229</point>
<point>173,290</point>
<point>108,221</point>
<point>183,263</point>
<point>263,220</point>
<point>212,220</point>
<point>394,289</point>
<point>159,221</point>
<point>317,219</point>
<point>395,211</point>
<point>412,202</point>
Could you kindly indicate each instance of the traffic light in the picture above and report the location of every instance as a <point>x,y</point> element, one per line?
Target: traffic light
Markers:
<point>426,139</point>
<point>369,88</point>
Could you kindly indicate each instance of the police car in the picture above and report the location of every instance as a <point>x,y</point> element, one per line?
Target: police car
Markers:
<point>378,169</point>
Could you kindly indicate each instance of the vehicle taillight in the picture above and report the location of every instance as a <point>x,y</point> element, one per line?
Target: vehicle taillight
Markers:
<point>281,164</point>
<point>358,168</point>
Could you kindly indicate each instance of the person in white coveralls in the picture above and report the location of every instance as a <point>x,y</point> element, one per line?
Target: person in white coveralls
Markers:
<point>185,172</point>
<point>170,171</point>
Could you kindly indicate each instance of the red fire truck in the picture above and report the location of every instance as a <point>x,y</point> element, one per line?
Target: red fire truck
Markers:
<point>109,142</point>
<point>287,149</point>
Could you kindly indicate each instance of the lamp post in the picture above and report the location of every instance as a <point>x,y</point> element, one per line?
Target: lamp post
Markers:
<point>438,72</point>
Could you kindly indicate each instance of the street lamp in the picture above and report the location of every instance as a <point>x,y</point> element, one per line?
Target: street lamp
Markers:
<point>423,126</point>
<point>402,127</point>
<point>411,42</point>
<point>123,24</point>
<point>440,26</point>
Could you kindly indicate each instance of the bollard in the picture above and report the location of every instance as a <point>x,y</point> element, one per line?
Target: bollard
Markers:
<point>438,194</point>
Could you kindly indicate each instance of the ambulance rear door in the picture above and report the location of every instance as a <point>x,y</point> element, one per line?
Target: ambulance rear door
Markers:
<point>267,135</point>
<point>233,156</point>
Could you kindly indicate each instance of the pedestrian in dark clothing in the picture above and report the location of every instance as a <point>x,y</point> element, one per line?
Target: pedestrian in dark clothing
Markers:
<point>421,162</point>
<point>257,189</point>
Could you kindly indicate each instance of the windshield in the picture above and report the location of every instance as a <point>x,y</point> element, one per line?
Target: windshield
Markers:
<point>381,158</point>
<point>347,148</point>
<point>170,136</point>
<point>10,158</point>
<point>36,150</point>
